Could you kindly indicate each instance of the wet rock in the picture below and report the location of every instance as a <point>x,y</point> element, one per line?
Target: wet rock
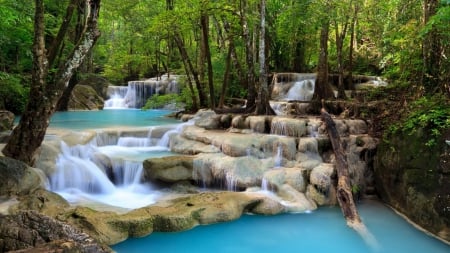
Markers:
<point>30,231</point>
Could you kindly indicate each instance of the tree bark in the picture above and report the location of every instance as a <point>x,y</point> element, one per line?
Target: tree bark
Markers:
<point>251,90</point>
<point>185,57</point>
<point>263,103</point>
<point>322,89</point>
<point>344,192</point>
<point>27,137</point>
<point>204,20</point>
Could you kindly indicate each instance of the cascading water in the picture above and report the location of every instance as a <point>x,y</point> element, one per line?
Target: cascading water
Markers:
<point>135,95</point>
<point>107,170</point>
<point>278,160</point>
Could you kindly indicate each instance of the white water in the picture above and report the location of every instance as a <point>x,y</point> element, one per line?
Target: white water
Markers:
<point>107,170</point>
<point>136,93</point>
<point>301,90</point>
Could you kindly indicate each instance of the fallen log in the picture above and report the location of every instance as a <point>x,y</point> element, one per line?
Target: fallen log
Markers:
<point>344,192</point>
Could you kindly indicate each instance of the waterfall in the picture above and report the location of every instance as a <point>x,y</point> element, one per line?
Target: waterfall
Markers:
<point>278,160</point>
<point>107,170</point>
<point>135,95</point>
<point>265,185</point>
<point>231,182</point>
<point>302,91</point>
<point>294,86</point>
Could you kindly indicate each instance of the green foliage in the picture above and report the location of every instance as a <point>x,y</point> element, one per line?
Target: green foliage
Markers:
<point>159,101</point>
<point>427,114</point>
<point>13,96</point>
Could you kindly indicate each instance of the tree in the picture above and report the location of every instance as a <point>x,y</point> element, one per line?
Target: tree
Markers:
<point>322,88</point>
<point>27,137</point>
<point>263,105</point>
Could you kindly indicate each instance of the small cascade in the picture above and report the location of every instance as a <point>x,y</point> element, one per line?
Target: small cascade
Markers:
<point>165,139</point>
<point>108,170</point>
<point>278,160</point>
<point>231,182</point>
<point>135,95</point>
<point>265,185</point>
<point>116,96</point>
<point>301,91</point>
<point>75,170</point>
<point>134,142</point>
<point>200,173</point>
<point>127,172</point>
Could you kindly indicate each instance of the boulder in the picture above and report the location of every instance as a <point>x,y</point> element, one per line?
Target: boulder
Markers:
<point>29,231</point>
<point>207,119</point>
<point>6,120</point>
<point>99,84</point>
<point>169,169</point>
<point>18,179</point>
<point>321,188</point>
<point>295,201</point>
<point>85,97</point>
<point>291,176</point>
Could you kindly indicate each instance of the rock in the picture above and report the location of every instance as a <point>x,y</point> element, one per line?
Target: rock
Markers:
<point>321,187</point>
<point>288,127</point>
<point>169,169</point>
<point>84,97</point>
<point>295,201</point>
<point>6,120</point>
<point>99,84</point>
<point>238,122</point>
<point>17,178</point>
<point>258,124</point>
<point>30,231</point>
<point>269,205</point>
<point>291,176</point>
<point>207,119</point>
<point>411,177</point>
<point>184,146</point>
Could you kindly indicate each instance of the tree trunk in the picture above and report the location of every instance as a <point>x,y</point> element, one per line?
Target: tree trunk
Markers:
<point>27,137</point>
<point>226,78</point>
<point>251,90</point>
<point>322,89</point>
<point>185,56</point>
<point>340,36</point>
<point>344,192</point>
<point>204,20</point>
<point>263,105</point>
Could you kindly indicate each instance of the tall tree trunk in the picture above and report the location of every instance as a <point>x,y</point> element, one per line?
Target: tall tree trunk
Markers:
<point>263,104</point>
<point>204,21</point>
<point>193,72</point>
<point>226,78</point>
<point>251,89</point>
<point>27,137</point>
<point>322,88</point>
<point>352,46</point>
<point>340,36</point>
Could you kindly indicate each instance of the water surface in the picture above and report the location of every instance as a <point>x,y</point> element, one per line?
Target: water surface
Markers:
<point>82,120</point>
<point>321,231</point>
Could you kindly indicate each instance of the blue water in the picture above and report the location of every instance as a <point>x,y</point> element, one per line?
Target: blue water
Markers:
<point>323,230</point>
<point>82,120</point>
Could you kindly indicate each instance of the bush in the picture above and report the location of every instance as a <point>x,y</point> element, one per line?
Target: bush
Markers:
<point>160,101</point>
<point>429,113</point>
<point>13,95</point>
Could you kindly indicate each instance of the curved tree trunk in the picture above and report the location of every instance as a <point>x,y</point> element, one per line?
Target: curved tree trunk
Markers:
<point>27,137</point>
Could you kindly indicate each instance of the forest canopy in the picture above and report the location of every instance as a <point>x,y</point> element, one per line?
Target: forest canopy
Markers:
<point>217,42</point>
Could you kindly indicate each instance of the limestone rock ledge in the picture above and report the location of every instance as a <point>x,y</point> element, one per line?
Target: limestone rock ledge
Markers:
<point>29,231</point>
